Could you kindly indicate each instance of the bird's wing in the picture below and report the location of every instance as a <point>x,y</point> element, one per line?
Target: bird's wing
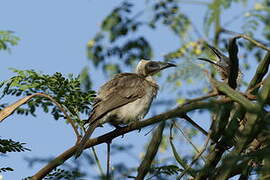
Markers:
<point>122,89</point>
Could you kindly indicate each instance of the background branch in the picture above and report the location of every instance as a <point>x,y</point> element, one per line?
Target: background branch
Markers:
<point>151,152</point>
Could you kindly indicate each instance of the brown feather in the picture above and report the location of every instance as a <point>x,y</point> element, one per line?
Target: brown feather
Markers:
<point>122,89</point>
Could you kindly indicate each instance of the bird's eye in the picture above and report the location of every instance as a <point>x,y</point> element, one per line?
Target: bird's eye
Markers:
<point>153,65</point>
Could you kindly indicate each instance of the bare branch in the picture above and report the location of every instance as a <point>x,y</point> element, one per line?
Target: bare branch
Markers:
<point>97,161</point>
<point>188,139</point>
<point>193,123</point>
<point>197,157</point>
<point>7,111</point>
<point>253,41</point>
<point>244,36</point>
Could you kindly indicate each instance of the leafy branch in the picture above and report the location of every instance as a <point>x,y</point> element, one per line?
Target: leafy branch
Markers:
<point>8,145</point>
<point>7,39</point>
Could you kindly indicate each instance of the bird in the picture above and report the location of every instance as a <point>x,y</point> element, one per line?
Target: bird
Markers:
<point>223,65</point>
<point>223,62</point>
<point>124,99</point>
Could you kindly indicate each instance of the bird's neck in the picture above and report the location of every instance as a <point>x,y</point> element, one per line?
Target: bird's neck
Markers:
<point>151,80</point>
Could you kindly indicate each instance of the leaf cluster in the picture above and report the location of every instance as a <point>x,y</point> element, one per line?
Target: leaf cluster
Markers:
<point>8,145</point>
<point>6,169</point>
<point>66,91</point>
<point>59,173</point>
<point>62,174</point>
<point>7,39</point>
<point>168,13</point>
<point>168,170</point>
<point>119,23</point>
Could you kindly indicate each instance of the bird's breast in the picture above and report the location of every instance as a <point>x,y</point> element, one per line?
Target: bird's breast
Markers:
<point>133,111</point>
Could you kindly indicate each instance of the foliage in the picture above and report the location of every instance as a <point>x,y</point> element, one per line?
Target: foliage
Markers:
<point>192,42</point>
<point>166,170</point>
<point>117,24</point>
<point>6,169</point>
<point>8,145</point>
<point>62,174</point>
<point>7,39</point>
<point>66,91</point>
<point>239,132</point>
<point>58,173</point>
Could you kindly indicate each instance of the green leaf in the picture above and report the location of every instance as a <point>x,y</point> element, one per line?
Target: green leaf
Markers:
<point>7,39</point>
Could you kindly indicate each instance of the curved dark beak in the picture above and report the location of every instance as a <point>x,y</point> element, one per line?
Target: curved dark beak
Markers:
<point>165,65</point>
<point>212,62</point>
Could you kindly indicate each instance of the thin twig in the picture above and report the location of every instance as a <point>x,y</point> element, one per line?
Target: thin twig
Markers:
<point>181,161</point>
<point>265,177</point>
<point>186,117</point>
<point>97,161</point>
<point>65,113</point>
<point>95,157</point>
<point>108,159</point>
<point>189,140</point>
<point>213,94</point>
<point>249,91</point>
<point>257,43</point>
<point>244,36</point>
<point>196,158</point>
<point>150,130</point>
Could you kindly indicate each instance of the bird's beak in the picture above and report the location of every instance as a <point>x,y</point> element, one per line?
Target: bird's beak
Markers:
<point>215,51</point>
<point>212,62</point>
<point>164,65</point>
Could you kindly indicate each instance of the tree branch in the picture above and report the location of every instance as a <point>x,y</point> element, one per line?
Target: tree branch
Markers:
<point>253,41</point>
<point>197,157</point>
<point>121,131</point>
<point>234,64</point>
<point>236,96</point>
<point>7,111</point>
<point>151,152</point>
<point>250,131</point>
<point>193,123</point>
<point>261,71</point>
<point>238,35</point>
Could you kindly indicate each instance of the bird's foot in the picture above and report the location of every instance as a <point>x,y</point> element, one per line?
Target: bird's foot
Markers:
<point>118,127</point>
<point>134,122</point>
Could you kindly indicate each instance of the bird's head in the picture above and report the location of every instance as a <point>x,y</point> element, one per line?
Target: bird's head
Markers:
<point>149,68</point>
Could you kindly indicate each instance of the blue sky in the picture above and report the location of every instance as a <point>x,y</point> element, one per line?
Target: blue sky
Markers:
<point>53,36</point>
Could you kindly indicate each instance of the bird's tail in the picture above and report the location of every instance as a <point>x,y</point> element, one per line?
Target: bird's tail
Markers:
<point>86,136</point>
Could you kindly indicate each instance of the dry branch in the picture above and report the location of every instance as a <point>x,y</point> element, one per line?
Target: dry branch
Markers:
<point>7,111</point>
